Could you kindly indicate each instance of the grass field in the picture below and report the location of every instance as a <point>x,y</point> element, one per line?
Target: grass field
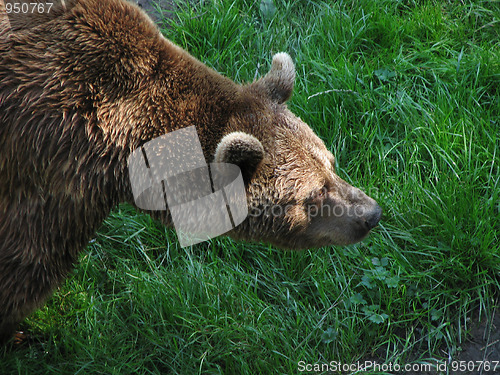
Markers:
<point>406,94</point>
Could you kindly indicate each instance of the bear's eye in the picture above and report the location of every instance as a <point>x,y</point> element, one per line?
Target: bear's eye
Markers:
<point>321,193</point>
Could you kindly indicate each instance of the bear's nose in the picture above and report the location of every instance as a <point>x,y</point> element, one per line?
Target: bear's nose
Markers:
<point>373,217</point>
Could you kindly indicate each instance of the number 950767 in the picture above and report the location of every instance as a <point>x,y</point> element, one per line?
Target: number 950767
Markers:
<point>28,8</point>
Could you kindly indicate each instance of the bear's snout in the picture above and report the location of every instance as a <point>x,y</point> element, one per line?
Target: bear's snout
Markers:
<point>362,214</point>
<point>373,217</point>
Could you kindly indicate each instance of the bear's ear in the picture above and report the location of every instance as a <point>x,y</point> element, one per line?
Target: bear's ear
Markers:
<point>278,82</point>
<point>241,149</point>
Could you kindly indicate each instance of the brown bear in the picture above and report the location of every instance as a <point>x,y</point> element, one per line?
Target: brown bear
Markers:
<point>84,85</point>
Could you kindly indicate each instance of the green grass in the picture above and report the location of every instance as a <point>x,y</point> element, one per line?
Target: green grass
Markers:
<point>406,95</point>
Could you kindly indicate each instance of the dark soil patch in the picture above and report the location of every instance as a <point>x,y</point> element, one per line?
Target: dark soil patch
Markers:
<point>483,346</point>
<point>479,354</point>
<point>158,9</point>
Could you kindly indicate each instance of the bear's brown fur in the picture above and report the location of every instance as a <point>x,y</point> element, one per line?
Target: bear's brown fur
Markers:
<point>84,86</point>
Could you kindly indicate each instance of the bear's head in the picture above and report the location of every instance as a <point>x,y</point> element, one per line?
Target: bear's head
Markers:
<point>295,198</point>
